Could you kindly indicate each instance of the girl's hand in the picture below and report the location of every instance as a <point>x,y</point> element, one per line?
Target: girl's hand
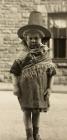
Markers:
<point>16,91</point>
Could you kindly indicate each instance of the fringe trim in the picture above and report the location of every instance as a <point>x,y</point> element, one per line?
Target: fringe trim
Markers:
<point>36,69</point>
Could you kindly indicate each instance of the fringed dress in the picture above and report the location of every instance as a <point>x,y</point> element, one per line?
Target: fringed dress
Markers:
<point>33,72</point>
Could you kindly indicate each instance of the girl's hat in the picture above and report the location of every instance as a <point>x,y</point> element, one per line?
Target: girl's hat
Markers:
<point>35,23</point>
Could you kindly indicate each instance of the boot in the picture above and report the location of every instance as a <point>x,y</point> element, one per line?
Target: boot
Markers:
<point>36,135</point>
<point>29,134</point>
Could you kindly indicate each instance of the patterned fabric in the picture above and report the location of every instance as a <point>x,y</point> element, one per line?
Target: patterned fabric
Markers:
<point>32,59</point>
<point>33,72</point>
<point>33,83</point>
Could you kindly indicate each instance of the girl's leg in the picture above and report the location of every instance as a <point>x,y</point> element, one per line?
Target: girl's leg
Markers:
<point>28,124</point>
<point>35,122</point>
<point>27,119</point>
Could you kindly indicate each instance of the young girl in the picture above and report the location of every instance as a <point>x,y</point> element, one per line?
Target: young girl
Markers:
<point>33,74</point>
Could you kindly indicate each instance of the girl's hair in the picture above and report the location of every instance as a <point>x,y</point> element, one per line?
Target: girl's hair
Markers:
<point>25,46</point>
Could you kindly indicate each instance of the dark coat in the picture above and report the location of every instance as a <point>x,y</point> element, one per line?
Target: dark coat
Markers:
<point>33,82</point>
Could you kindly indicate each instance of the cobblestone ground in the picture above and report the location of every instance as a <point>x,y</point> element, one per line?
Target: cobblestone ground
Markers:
<point>53,124</point>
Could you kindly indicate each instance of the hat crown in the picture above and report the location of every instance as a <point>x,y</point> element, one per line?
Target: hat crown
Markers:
<point>36,18</point>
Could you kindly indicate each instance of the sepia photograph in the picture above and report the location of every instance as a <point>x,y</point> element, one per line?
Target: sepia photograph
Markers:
<point>33,70</point>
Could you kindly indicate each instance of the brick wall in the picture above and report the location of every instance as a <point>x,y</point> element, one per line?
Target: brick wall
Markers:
<point>14,14</point>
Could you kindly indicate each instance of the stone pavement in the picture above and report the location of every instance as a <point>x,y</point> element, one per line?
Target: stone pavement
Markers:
<point>53,124</point>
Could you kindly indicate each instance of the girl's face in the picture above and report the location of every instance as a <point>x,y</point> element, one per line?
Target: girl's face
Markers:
<point>33,40</point>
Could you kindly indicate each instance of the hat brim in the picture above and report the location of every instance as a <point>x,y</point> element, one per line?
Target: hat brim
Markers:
<point>46,32</point>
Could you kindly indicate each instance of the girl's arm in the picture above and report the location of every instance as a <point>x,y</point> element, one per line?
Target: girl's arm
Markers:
<point>16,88</point>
